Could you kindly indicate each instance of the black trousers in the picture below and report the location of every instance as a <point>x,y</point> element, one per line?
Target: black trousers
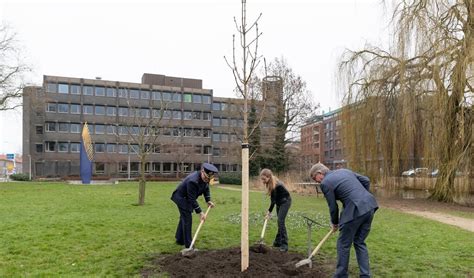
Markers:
<point>281,239</point>
<point>184,229</point>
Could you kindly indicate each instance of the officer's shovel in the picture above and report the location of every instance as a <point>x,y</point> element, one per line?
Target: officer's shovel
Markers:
<point>188,252</point>
<point>308,260</point>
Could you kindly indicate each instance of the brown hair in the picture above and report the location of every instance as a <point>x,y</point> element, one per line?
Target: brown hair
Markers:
<point>271,184</point>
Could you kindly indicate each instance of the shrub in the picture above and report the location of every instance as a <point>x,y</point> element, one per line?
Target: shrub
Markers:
<point>230,178</point>
<point>20,177</point>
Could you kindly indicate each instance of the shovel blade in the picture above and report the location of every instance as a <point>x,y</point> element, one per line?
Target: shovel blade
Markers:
<point>303,262</point>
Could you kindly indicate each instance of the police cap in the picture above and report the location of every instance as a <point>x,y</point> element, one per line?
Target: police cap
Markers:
<point>209,169</point>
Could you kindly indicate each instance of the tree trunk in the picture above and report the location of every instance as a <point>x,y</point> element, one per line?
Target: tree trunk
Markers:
<point>141,183</point>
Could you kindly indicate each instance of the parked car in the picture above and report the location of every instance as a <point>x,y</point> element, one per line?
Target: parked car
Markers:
<point>409,173</point>
<point>422,172</point>
<point>434,173</point>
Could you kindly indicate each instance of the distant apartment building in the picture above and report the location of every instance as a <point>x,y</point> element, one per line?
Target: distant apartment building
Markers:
<point>321,141</point>
<point>189,123</point>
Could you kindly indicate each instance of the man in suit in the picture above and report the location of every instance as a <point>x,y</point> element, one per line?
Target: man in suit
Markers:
<point>185,197</point>
<point>359,206</point>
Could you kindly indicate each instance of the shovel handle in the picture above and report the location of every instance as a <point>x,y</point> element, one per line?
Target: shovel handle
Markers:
<point>263,229</point>
<point>199,228</point>
<point>320,244</point>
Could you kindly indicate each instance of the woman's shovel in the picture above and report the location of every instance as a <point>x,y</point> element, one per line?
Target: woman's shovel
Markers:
<point>188,252</point>
<point>260,246</point>
<point>308,260</point>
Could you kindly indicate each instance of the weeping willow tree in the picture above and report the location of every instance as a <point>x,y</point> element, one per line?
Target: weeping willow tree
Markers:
<point>411,106</point>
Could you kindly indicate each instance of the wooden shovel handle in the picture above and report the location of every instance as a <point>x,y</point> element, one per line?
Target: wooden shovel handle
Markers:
<point>321,243</point>
<point>264,227</point>
<point>199,228</point>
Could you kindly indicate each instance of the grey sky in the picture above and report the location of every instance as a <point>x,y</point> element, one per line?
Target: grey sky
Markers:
<point>120,40</point>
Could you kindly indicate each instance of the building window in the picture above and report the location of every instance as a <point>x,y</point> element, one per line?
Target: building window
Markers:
<point>63,127</point>
<point>75,109</point>
<point>224,122</point>
<point>51,88</point>
<point>196,115</point>
<point>188,98</point>
<point>39,129</point>
<point>188,132</point>
<point>111,129</point>
<point>63,108</point>
<point>99,129</point>
<point>123,167</point>
<point>63,147</point>
<point>156,149</point>
<point>111,111</point>
<point>63,88</point>
<point>216,137</point>
<point>122,93</point>
<point>223,106</point>
<point>166,96</point>
<point>134,149</point>
<point>166,167</point>
<point>216,152</point>
<point>206,99</point>
<point>144,94</point>
<point>50,146</point>
<point>100,91</point>
<point>111,92</point>
<point>51,107</point>
<point>75,147</point>
<point>123,148</point>
<point>216,121</point>
<point>88,109</point>
<point>155,95</point>
<point>134,93</point>
<point>197,99</point>
<point>39,147</point>
<point>88,90</point>
<point>144,112</point>
<point>50,126</point>
<point>216,106</point>
<point>206,116</point>
<point>155,166</point>
<point>207,149</point>
<point>111,148</point>
<point>75,128</point>
<point>176,132</point>
<point>75,89</point>
<point>177,97</point>
<point>123,111</point>
<point>99,147</point>
<point>197,132</point>
<point>99,167</point>
<point>206,133</point>
<point>99,110</point>
<point>224,137</point>
<point>188,115</point>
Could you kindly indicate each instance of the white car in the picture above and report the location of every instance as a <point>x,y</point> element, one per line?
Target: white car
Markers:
<point>409,173</point>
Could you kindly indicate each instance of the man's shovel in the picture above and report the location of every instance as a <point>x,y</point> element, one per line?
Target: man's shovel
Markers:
<point>308,260</point>
<point>187,252</point>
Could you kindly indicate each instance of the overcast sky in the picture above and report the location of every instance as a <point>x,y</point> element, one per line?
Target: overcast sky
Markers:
<point>121,40</point>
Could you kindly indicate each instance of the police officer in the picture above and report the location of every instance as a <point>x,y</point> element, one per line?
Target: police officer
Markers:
<point>185,196</point>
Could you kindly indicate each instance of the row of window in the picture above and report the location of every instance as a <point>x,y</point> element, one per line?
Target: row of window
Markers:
<point>112,148</point>
<point>164,167</point>
<point>101,91</point>
<point>100,129</point>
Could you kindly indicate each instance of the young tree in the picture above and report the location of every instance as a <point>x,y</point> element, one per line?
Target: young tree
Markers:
<point>143,128</point>
<point>243,73</point>
<point>415,100</point>
<point>12,70</point>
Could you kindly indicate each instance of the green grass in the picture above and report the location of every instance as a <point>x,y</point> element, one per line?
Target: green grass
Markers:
<point>53,229</point>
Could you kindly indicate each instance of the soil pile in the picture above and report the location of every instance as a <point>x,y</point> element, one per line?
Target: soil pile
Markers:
<point>226,263</point>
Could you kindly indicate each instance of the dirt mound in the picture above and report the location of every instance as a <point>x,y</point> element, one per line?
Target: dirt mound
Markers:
<point>226,263</point>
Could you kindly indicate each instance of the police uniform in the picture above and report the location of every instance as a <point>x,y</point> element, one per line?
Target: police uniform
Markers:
<point>185,197</point>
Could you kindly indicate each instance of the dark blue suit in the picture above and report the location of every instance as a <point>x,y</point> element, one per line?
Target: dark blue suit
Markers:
<point>359,206</point>
<point>185,197</point>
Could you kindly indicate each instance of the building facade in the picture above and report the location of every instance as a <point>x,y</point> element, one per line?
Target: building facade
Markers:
<point>321,141</point>
<point>174,119</point>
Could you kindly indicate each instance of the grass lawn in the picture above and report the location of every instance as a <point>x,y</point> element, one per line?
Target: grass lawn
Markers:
<point>54,229</point>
